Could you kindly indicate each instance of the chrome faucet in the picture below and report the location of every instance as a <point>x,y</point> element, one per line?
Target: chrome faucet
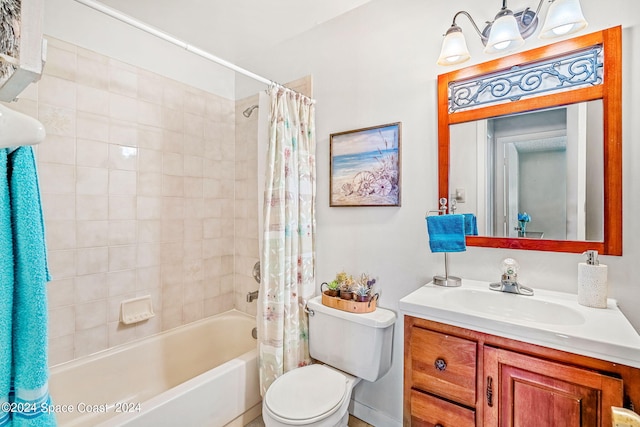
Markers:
<point>251,296</point>
<point>509,281</point>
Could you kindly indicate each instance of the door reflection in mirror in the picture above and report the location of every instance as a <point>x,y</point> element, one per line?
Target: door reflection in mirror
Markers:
<point>547,163</point>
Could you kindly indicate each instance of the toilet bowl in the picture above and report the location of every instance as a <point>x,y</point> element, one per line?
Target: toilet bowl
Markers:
<point>313,396</point>
<point>350,347</point>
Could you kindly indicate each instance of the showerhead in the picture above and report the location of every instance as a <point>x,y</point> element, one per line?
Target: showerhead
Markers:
<point>248,111</point>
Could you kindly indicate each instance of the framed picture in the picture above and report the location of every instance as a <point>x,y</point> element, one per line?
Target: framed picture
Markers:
<point>365,166</point>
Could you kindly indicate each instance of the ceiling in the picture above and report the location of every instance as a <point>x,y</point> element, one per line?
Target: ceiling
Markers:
<point>234,29</point>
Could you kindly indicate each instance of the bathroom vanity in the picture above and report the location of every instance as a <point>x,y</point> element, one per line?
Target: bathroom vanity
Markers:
<point>475,357</point>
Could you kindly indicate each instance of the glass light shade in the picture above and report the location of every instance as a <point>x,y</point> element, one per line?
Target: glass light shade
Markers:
<point>504,35</point>
<point>564,17</point>
<point>454,48</point>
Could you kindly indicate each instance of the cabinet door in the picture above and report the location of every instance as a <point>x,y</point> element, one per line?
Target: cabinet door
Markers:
<point>525,391</point>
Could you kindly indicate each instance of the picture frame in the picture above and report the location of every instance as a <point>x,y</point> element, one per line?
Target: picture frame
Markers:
<point>365,166</point>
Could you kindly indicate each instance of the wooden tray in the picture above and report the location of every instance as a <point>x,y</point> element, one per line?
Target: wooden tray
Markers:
<point>351,306</point>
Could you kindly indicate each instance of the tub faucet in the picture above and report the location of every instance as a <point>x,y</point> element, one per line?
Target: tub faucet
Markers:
<point>509,281</point>
<point>251,296</point>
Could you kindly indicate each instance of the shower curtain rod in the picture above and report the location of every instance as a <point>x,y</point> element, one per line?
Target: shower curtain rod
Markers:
<point>173,40</point>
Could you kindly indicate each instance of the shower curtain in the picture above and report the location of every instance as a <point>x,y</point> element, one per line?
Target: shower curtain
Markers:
<point>288,247</point>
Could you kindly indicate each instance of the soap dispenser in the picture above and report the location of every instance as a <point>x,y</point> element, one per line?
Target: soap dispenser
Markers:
<point>592,281</point>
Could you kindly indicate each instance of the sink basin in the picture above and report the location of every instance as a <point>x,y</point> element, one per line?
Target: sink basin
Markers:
<point>548,318</point>
<point>514,307</point>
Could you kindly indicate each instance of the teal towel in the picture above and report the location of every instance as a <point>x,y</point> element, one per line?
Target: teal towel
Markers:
<point>6,288</point>
<point>470,224</point>
<point>29,312</point>
<point>446,233</point>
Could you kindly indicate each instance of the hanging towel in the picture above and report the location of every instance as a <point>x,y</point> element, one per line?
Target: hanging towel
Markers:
<point>470,224</point>
<point>6,289</point>
<point>29,323</point>
<point>446,233</point>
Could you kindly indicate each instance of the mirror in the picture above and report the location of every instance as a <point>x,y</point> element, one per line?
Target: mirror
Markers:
<point>552,159</point>
<point>547,164</point>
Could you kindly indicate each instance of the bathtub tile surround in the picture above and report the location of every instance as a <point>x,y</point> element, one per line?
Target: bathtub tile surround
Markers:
<point>137,181</point>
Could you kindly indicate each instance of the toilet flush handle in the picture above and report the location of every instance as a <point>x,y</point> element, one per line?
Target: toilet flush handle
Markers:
<point>309,311</point>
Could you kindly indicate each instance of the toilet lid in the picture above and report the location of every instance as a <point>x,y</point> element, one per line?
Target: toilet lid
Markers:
<point>307,392</point>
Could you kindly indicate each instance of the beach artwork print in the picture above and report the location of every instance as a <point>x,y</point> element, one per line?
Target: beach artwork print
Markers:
<point>365,167</point>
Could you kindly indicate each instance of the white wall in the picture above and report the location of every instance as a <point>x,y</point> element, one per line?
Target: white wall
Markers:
<point>78,24</point>
<point>376,65</point>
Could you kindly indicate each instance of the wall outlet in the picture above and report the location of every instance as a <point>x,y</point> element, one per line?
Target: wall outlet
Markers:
<point>460,195</point>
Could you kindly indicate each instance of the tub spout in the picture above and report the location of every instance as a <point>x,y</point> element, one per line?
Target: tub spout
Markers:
<point>251,296</point>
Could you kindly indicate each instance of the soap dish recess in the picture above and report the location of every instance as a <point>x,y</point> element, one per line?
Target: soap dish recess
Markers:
<point>136,310</point>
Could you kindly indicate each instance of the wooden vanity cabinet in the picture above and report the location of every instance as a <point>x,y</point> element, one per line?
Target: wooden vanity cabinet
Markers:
<point>455,377</point>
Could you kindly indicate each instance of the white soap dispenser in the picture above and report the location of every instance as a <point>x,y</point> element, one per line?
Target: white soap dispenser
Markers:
<point>592,281</point>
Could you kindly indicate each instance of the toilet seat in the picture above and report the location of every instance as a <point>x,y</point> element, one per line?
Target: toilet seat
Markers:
<point>306,395</point>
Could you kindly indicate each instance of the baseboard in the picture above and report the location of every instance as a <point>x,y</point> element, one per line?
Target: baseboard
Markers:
<point>372,416</point>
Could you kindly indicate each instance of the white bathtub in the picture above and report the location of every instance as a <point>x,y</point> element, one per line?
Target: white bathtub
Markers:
<point>201,374</point>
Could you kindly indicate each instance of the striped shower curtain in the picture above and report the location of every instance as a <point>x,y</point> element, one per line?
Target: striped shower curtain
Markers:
<point>288,248</point>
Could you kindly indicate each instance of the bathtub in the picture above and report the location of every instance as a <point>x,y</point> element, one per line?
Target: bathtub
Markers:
<point>201,374</point>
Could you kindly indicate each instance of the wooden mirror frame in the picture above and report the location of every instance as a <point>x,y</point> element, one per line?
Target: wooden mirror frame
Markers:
<point>610,92</point>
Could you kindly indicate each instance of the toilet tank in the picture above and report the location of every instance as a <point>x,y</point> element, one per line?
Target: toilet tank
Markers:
<point>357,343</point>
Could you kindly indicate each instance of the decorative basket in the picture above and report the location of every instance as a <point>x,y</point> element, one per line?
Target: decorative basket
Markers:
<point>351,306</point>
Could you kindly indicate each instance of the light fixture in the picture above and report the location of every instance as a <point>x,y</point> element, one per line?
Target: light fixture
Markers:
<point>509,30</point>
<point>564,17</point>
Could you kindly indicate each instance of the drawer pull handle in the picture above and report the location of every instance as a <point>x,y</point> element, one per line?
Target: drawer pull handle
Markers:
<point>490,391</point>
<point>440,364</point>
<point>438,425</point>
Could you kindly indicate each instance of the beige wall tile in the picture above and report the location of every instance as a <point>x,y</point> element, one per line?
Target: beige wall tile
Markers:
<point>122,282</point>
<point>92,287</point>
<point>123,133</point>
<point>92,260</point>
<point>92,181</point>
<point>57,120</point>
<point>92,71</point>
<point>149,184</point>
<point>92,126</point>
<point>122,182</point>
<point>56,178</point>
<point>90,207</point>
<point>123,80</point>
<point>92,153</point>
<point>122,207</point>
<point>57,149</point>
<point>61,321</point>
<point>149,160</point>
<point>92,100</point>
<point>62,264</point>
<point>61,293</point>
<point>123,157</point>
<point>122,257</point>
<point>92,233</point>
<point>89,341</point>
<point>57,91</point>
<point>61,62</point>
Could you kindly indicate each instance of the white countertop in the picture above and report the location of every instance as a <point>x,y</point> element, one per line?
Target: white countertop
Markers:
<point>551,319</point>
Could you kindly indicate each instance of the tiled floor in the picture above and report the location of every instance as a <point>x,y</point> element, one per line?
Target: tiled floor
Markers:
<point>353,422</point>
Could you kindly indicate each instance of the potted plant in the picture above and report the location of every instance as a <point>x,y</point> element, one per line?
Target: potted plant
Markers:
<point>346,285</point>
<point>364,287</point>
<point>362,293</point>
<point>333,288</point>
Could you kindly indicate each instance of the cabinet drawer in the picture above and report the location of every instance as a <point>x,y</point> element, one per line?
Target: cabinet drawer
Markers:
<point>429,411</point>
<point>444,365</point>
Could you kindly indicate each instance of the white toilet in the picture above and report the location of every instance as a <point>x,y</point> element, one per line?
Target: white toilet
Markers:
<point>351,347</point>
